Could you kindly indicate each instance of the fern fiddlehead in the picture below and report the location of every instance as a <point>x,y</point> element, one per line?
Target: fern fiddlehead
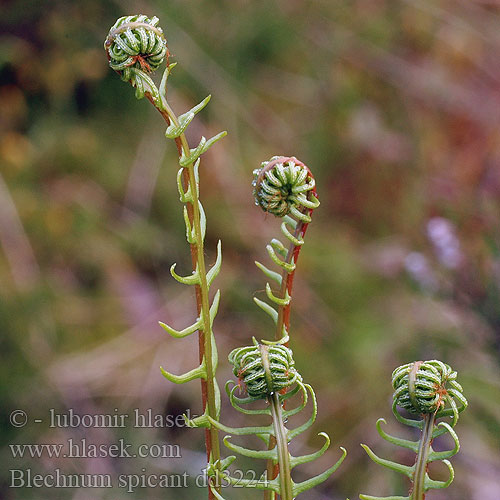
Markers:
<point>428,389</point>
<point>136,42</point>
<point>250,366</point>
<point>135,47</point>
<point>267,372</point>
<point>285,187</point>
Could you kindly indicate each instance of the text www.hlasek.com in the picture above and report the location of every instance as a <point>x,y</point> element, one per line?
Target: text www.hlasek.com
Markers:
<point>82,449</point>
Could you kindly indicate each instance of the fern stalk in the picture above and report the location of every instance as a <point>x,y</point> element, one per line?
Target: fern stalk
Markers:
<point>283,323</point>
<point>136,47</point>
<point>279,439</point>
<point>282,448</point>
<point>418,492</point>
<point>202,295</point>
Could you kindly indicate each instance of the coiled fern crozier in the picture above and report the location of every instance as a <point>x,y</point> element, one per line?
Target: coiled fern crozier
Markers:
<point>285,187</point>
<point>427,389</point>
<point>135,47</point>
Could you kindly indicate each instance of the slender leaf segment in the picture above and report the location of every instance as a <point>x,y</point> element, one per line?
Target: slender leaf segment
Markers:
<point>428,389</point>
<point>135,47</point>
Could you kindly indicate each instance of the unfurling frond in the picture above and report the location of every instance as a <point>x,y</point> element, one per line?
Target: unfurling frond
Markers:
<point>267,370</point>
<point>135,42</point>
<point>428,389</point>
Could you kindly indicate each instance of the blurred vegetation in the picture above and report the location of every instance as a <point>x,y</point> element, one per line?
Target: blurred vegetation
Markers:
<point>393,104</point>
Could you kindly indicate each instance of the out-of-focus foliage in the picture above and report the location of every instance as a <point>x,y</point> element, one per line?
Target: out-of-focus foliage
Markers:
<point>395,106</point>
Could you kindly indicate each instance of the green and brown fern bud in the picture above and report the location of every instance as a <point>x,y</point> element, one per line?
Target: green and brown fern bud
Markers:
<point>135,42</point>
<point>426,386</point>
<point>284,185</point>
<point>423,388</point>
<point>264,368</point>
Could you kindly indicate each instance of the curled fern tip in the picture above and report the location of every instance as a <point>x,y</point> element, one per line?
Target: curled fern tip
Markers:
<point>264,369</point>
<point>135,42</point>
<point>426,386</point>
<point>282,185</point>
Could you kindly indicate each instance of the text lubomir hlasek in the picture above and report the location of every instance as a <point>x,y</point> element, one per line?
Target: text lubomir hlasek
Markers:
<point>137,419</point>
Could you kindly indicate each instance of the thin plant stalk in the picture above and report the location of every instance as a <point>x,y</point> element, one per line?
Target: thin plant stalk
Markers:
<point>283,323</point>
<point>202,296</point>
<point>136,47</point>
<point>282,448</point>
<point>418,492</point>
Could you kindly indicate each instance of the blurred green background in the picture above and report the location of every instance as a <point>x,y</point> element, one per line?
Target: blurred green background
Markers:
<point>394,105</point>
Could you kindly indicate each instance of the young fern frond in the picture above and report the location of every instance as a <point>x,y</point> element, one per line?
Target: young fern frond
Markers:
<point>424,389</point>
<point>285,187</point>
<point>267,370</point>
<point>278,183</point>
<point>136,47</point>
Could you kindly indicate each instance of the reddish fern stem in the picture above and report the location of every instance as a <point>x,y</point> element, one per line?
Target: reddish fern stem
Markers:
<point>194,258</point>
<point>286,286</point>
